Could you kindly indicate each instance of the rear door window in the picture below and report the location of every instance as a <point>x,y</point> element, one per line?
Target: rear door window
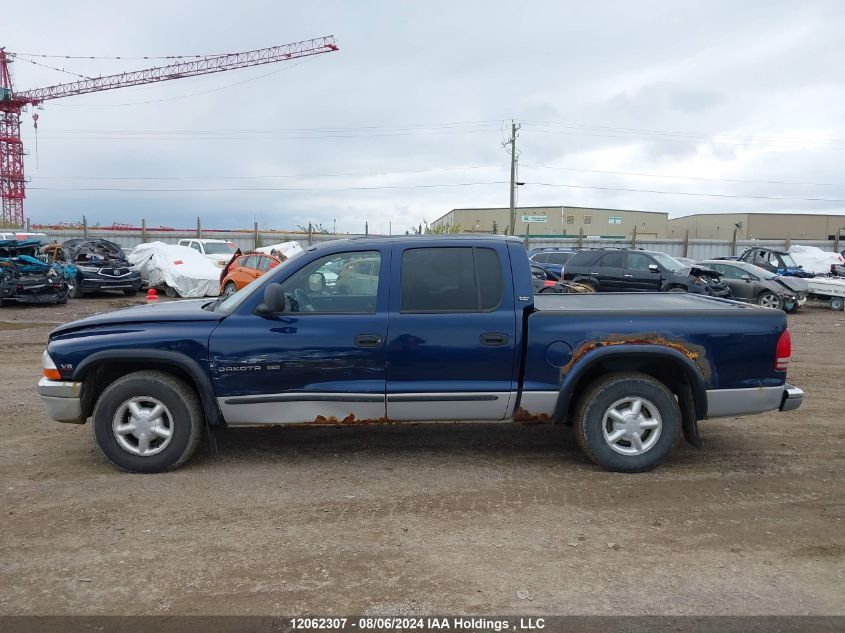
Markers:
<point>612,260</point>
<point>461,279</point>
<point>559,258</point>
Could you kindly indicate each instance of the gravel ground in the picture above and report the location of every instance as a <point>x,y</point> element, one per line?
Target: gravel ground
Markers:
<point>424,518</point>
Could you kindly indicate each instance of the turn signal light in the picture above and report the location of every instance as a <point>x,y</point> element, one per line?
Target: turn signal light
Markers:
<point>48,367</point>
<point>783,351</point>
<point>52,374</point>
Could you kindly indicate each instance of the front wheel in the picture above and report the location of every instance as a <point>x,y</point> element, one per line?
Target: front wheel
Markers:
<point>229,289</point>
<point>147,422</point>
<point>769,300</point>
<point>627,422</point>
<point>837,303</point>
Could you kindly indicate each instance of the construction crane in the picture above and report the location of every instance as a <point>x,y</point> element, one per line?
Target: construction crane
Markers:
<point>12,182</point>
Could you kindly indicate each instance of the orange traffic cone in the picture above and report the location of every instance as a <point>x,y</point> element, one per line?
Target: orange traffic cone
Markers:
<point>151,295</point>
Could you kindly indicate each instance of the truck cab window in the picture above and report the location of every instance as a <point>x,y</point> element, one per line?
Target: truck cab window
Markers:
<point>462,279</point>
<point>343,283</point>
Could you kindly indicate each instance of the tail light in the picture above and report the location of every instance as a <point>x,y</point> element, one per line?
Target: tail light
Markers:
<point>783,351</point>
<point>548,283</point>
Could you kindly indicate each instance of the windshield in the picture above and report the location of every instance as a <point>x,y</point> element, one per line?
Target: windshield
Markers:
<point>668,262</point>
<point>231,303</point>
<point>219,248</point>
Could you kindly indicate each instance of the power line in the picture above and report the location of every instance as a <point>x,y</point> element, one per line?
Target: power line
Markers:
<point>212,177</point>
<point>219,189</point>
<point>686,193</point>
<point>61,70</point>
<point>648,175</point>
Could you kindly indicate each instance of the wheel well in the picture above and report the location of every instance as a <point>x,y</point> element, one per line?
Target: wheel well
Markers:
<point>99,377</point>
<point>669,372</point>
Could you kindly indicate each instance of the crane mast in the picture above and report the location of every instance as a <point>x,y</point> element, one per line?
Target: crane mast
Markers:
<point>12,181</point>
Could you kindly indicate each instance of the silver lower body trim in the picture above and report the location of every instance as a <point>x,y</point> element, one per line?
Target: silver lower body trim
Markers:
<point>729,402</point>
<point>62,399</point>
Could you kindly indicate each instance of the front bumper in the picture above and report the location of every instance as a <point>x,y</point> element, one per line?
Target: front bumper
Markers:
<point>792,398</point>
<point>62,399</point>
<point>93,283</point>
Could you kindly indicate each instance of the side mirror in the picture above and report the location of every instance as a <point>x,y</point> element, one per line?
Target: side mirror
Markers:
<point>746,277</point>
<point>274,300</point>
<point>316,282</point>
<point>654,268</point>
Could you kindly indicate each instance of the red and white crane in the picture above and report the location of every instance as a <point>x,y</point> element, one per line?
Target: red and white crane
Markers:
<point>12,182</point>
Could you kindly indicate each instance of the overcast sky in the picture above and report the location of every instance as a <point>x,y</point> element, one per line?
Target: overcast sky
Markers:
<point>407,120</point>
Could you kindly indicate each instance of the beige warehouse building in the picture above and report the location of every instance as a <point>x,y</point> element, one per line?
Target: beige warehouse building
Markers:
<point>761,226</point>
<point>561,221</point>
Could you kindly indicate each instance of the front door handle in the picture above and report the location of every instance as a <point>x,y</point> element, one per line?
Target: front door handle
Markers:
<point>493,338</point>
<point>368,340</point>
<point>627,275</point>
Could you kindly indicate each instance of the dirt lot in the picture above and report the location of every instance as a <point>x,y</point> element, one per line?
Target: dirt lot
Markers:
<point>443,519</point>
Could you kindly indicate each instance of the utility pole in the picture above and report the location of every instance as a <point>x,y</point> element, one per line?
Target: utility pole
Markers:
<point>512,143</point>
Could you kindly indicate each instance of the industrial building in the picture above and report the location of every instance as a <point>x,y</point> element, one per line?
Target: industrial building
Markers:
<point>561,221</point>
<point>761,226</point>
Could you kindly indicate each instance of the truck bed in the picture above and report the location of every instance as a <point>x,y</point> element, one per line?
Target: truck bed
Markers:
<point>637,302</point>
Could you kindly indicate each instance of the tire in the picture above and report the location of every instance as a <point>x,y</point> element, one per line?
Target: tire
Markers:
<point>170,292</point>
<point>790,306</point>
<point>230,288</point>
<point>588,283</point>
<point>76,289</point>
<point>770,300</point>
<point>182,417</point>
<point>619,391</point>
<point>677,289</point>
<point>837,303</point>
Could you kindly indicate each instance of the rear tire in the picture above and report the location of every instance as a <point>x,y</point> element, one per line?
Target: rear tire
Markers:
<point>677,289</point>
<point>229,289</point>
<point>837,303</point>
<point>165,440</point>
<point>76,289</point>
<point>627,422</point>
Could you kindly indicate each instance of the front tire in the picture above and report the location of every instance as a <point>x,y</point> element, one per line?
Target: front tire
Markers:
<point>229,289</point>
<point>769,300</point>
<point>627,422</point>
<point>147,422</point>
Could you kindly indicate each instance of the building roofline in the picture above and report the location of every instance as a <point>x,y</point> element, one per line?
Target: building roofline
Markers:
<point>563,207</point>
<point>785,214</point>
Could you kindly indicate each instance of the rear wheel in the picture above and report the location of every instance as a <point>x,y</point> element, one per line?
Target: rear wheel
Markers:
<point>147,422</point>
<point>769,300</point>
<point>76,288</point>
<point>676,289</point>
<point>588,283</point>
<point>229,289</point>
<point>837,303</point>
<point>627,422</point>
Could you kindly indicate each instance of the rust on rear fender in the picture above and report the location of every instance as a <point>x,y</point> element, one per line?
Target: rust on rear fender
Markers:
<point>527,417</point>
<point>696,353</point>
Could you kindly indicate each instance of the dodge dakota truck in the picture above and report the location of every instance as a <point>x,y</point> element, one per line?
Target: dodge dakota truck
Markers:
<point>392,330</point>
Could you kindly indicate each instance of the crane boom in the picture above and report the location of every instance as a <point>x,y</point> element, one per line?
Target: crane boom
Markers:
<point>193,68</point>
<point>12,181</point>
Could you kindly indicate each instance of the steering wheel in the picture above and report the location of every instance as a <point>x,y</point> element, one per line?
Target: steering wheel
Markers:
<point>303,300</point>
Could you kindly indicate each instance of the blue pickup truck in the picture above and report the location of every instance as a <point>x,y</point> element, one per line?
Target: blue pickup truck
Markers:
<point>392,330</point>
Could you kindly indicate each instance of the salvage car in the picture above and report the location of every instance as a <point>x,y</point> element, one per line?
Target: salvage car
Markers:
<point>756,285</point>
<point>545,281</point>
<point>773,260</point>
<point>553,258</point>
<point>100,264</point>
<point>450,331</point>
<point>245,268</point>
<point>27,276</point>
<point>178,271</point>
<point>217,251</point>
<point>624,270</point>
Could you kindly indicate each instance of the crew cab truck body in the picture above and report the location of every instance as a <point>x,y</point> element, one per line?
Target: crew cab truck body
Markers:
<point>449,329</point>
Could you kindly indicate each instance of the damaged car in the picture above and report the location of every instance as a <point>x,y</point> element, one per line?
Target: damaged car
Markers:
<point>100,265</point>
<point>27,277</point>
<point>752,284</point>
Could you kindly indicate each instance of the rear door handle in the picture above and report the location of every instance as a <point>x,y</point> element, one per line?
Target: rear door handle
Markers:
<point>493,338</point>
<point>368,340</point>
<point>627,275</point>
